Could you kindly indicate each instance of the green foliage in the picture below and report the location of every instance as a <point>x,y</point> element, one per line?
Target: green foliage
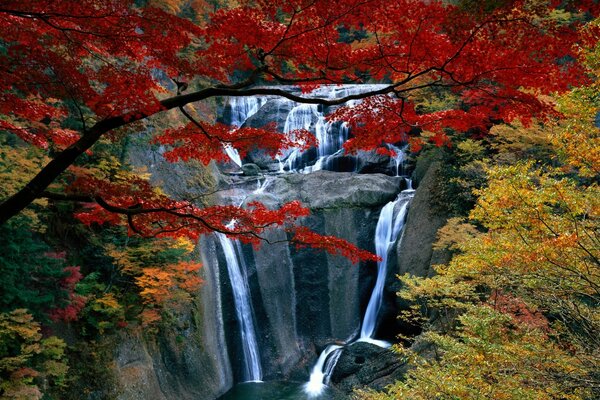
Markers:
<point>30,278</point>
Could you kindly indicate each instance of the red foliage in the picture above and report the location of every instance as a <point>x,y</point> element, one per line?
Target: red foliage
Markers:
<point>108,63</point>
<point>113,56</point>
<point>187,143</point>
<point>304,237</point>
<point>150,213</point>
<point>520,311</point>
<point>77,302</point>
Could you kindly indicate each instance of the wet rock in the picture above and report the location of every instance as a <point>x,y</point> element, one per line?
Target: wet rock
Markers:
<point>251,169</point>
<point>325,189</point>
<point>366,365</point>
<point>370,162</point>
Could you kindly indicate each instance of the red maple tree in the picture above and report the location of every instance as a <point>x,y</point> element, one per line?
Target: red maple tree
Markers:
<point>105,64</point>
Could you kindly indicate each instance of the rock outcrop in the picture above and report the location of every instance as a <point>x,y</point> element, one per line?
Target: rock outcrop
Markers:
<point>366,365</point>
<point>302,298</point>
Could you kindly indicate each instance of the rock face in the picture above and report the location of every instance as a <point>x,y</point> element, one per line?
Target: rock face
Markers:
<point>366,365</point>
<point>415,254</point>
<point>190,360</point>
<point>302,298</point>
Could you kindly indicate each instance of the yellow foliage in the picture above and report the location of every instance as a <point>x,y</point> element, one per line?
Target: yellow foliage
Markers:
<point>107,301</point>
<point>513,142</point>
<point>489,357</point>
<point>577,135</point>
<point>132,259</point>
<point>25,356</point>
<point>159,286</point>
<point>455,232</point>
<point>18,165</point>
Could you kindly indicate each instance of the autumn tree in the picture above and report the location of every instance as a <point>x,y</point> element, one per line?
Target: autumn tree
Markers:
<point>76,73</point>
<point>514,314</point>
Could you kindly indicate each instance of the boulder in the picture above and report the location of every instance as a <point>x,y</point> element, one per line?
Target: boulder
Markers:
<point>325,189</point>
<point>250,169</point>
<point>415,251</point>
<point>364,364</point>
<point>371,162</point>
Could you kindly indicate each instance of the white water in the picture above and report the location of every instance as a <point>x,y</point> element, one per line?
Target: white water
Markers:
<point>301,117</point>
<point>399,158</point>
<point>243,307</point>
<point>330,137</point>
<point>319,376</point>
<point>262,186</point>
<point>310,117</point>
<point>390,224</point>
<point>242,108</point>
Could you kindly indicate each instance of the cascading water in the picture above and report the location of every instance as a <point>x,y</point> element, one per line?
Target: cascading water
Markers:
<point>321,372</point>
<point>331,137</point>
<point>243,307</point>
<point>311,117</point>
<point>390,224</point>
<point>301,117</point>
<point>242,108</point>
<point>399,157</point>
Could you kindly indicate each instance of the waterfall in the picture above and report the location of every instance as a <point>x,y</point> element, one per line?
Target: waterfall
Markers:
<point>243,307</point>
<point>301,117</point>
<point>262,186</point>
<point>399,158</point>
<point>242,108</point>
<point>310,117</point>
<point>321,372</point>
<point>388,229</point>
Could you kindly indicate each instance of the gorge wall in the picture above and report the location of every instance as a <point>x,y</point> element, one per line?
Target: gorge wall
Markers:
<point>302,299</point>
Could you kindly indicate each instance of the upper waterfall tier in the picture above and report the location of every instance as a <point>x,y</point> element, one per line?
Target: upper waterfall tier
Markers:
<point>289,116</point>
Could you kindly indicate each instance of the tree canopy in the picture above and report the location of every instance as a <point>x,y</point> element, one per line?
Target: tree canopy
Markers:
<point>486,80</point>
<point>79,72</point>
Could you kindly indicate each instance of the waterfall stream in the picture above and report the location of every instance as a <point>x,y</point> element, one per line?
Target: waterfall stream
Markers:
<point>310,117</point>
<point>389,227</point>
<point>390,224</point>
<point>331,137</point>
<point>243,306</point>
<point>242,108</point>
<point>319,376</point>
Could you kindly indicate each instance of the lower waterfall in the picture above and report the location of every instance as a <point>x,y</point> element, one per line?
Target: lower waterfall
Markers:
<point>319,376</point>
<point>243,306</point>
<point>389,227</point>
